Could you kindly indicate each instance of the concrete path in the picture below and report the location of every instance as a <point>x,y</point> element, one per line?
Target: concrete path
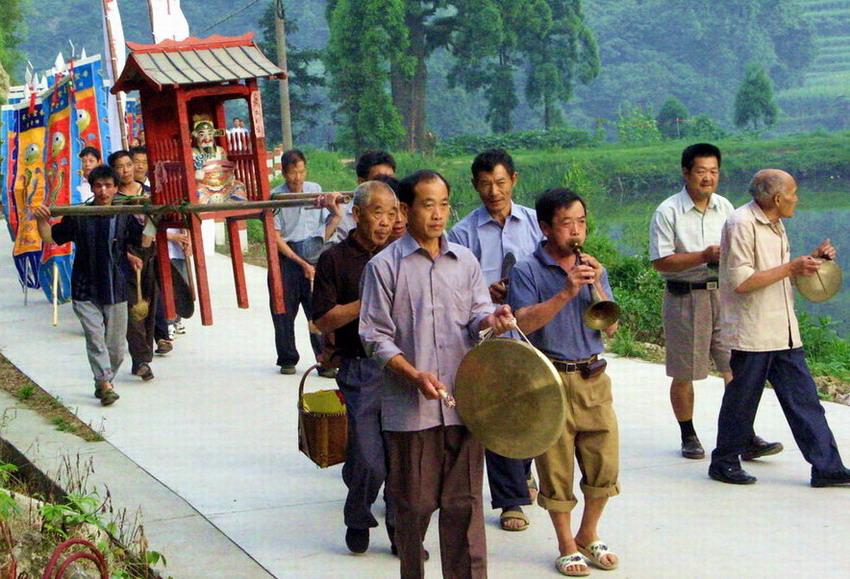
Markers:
<point>208,450</point>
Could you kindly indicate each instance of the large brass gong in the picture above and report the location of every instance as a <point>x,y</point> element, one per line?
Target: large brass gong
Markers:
<point>821,286</point>
<point>511,398</point>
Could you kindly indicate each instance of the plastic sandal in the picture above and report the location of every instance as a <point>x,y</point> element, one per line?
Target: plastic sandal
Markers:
<point>572,560</point>
<point>596,551</point>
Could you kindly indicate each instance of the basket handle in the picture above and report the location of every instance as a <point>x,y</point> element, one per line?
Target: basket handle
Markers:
<point>301,385</point>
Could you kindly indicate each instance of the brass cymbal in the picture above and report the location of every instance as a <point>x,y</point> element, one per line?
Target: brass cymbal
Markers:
<point>821,286</point>
<point>511,398</point>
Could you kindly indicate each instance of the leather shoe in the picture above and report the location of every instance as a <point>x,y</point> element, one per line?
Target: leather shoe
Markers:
<point>759,447</point>
<point>833,479</point>
<point>692,447</point>
<point>733,475</point>
<point>357,540</point>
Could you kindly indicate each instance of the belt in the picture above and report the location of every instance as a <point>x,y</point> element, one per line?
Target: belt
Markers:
<point>578,366</point>
<point>684,287</point>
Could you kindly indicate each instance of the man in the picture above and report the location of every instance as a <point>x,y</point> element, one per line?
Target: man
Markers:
<point>140,332</point>
<point>758,301</point>
<point>238,127</point>
<point>89,159</point>
<point>368,167</point>
<point>302,233</point>
<point>336,308</point>
<point>102,263</point>
<point>139,155</point>
<point>495,229</point>
<point>684,238</point>
<point>424,300</point>
<point>549,293</point>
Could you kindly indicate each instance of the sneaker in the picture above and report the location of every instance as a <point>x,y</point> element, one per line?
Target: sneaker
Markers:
<point>144,372</point>
<point>692,447</point>
<point>760,447</point>
<point>179,328</point>
<point>163,346</point>
<point>287,369</point>
<point>172,333</point>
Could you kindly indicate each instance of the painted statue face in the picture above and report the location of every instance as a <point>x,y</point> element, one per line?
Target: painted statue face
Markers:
<point>204,134</point>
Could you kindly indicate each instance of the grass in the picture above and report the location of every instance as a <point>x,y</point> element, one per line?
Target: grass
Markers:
<point>30,395</point>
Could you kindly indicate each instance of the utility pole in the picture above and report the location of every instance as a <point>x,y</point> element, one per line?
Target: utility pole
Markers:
<point>280,37</point>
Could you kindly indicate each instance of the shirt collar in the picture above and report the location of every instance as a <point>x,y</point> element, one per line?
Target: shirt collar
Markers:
<point>758,213</point>
<point>358,247</point>
<point>484,217</point>
<point>688,203</point>
<point>410,245</point>
<point>543,256</point>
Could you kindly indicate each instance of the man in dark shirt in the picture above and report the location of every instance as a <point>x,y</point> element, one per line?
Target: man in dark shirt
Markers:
<point>336,308</point>
<point>99,279</point>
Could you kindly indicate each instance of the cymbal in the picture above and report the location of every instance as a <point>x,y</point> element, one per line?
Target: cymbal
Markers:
<point>821,286</point>
<point>511,398</point>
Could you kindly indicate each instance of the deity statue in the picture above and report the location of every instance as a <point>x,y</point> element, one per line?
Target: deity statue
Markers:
<point>214,174</point>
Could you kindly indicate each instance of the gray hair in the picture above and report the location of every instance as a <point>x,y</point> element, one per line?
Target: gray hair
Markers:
<point>364,191</point>
<point>766,184</point>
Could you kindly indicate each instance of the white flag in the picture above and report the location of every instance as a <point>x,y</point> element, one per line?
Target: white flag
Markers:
<point>116,54</point>
<point>167,20</point>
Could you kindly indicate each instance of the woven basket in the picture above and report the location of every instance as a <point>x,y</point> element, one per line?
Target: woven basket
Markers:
<point>321,436</point>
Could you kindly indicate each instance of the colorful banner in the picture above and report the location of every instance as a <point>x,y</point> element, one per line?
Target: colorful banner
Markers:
<point>58,170</point>
<point>28,189</point>
<point>8,158</point>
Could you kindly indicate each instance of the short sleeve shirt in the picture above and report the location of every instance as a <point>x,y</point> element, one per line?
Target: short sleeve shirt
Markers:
<point>300,223</point>
<point>679,227</point>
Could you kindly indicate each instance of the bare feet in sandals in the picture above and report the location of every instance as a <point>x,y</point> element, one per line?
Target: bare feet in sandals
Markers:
<point>597,553</point>
<point>513,519</point>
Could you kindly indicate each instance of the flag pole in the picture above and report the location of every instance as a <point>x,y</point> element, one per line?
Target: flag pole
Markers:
<point>113,64</point>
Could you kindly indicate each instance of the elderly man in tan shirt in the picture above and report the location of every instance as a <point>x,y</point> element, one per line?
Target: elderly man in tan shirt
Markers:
<point>758,303</point>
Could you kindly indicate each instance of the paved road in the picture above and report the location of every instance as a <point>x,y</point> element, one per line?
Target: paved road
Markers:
<point>208,449</point>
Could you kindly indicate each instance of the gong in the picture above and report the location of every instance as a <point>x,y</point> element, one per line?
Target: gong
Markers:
<point>821,286</point>
<point>511,398</point>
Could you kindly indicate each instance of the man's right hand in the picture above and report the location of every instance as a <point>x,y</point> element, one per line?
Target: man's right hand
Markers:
<point>41,213</point>
<point>711,254</point>
<point>428,385</point>
<point>578,276</point>
<point>805,265</point>
<point>309,270</point>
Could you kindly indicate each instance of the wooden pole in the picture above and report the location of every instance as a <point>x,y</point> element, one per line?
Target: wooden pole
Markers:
<point>55,293</point>
<point>188,208</point>
<point>280,37</point>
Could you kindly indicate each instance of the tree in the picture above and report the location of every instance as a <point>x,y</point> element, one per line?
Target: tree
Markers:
<point>670,118</point>
<point>754,102</point>
<point>366,40</point>
<point>303,81</point>
<point>12,32</point>
<point>561,50</point>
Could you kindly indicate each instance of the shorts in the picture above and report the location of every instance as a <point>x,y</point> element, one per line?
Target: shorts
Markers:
<point>693,335</point>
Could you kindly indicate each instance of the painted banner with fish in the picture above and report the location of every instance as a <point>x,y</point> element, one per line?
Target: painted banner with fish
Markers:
<point>42,136</point>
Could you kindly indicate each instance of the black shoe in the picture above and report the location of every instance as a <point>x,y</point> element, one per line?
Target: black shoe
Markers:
<point>144,372</point>
<point>759,447</point>
<point>733,475</point>
<point>692,447</point>
<point>834,479</point>
<point>163,347</point>
<point>357,540</point>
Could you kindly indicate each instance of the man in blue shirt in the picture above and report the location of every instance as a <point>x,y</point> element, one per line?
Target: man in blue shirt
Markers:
<point>302,234</point>
<point>495,229</point>
<point>549,293</point>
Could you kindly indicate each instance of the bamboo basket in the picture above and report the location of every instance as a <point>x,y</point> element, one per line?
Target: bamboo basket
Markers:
<point>322,436</point>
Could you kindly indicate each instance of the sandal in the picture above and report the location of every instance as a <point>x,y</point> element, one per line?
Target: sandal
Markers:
<point>573,560</point>
<point>106,395</point>
<point>513,515</point>
<point>595,552</point>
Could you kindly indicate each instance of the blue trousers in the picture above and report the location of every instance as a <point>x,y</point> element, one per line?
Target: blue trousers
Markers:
<point>508,480</point>
<point>365,467</point>
<point>297,293</point>
<point>789,374</point>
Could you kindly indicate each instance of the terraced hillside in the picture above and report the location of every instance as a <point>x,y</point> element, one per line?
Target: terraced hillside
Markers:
<point>824,100</point>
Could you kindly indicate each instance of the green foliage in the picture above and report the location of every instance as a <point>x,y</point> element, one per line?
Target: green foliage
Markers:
<point>367,38</point>
<point>703,128</point>
<point>12,32</point>
<point>303,80</point>
<point>639,291</point>
<point>754,102</point>
<point>25,392</point>
<point>671,117</point>
<point>635,126</point>
<point>561,138</point>
<point>561,50</point>
<point>826,352</point>
<point>78,509</point>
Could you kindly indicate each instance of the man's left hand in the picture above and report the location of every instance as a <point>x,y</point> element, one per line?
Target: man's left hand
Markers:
<point>825,250</point>
<point>330,201</point>
<point>502,320</point>
<point>499,291</point>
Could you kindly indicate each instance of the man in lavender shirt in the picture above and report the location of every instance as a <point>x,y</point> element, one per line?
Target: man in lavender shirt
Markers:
<point>423,302</point>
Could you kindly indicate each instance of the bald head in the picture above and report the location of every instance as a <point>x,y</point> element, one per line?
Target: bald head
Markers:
<point>775,191</point>
<point>374,209</point>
